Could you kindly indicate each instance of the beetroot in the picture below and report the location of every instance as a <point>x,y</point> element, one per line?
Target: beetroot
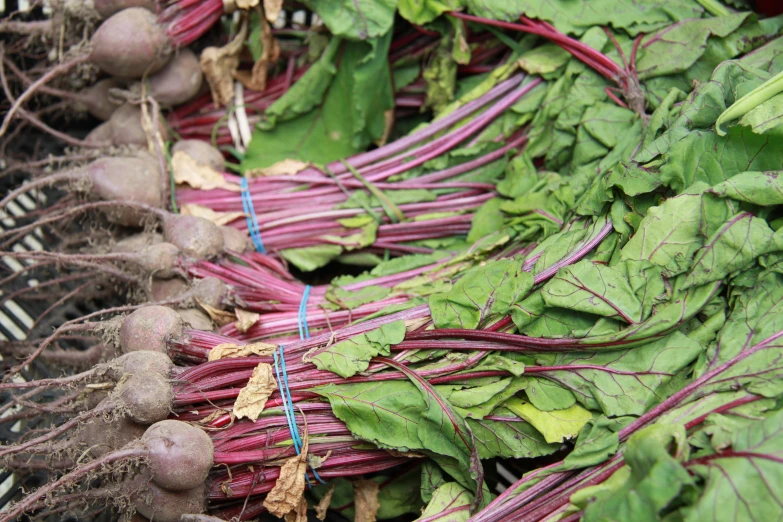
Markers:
<point>210,291</point>
<point>130,44</point>
<point>235,240</point>
<point>195,319</point>
<point>179,81</point>
<point>97,99</point>
<point>180,455</point>
<point>166,289</point>
<point>149,328</point>
<point>123,128</point>
<point>138,363</point>
<point>159,259</point>
<point>146,397</point>
<point>162,505</point>
<point>102,436</point>
<point>136,242</point>
<point>194,236</point>
<point>202,152</point>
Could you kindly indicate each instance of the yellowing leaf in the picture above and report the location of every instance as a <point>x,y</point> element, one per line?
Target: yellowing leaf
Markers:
<point>555,425</point>
<point>220,63</point>
<point>190,172</point>
<point>288,492</point>
<point>281,168</point>
<point>272,10</point>
<point>218,218</point>
<point>221,317</point>
<point>365,497</point>
<point>230,351</point>
<point>245,319</point>
<point>252,398</point>
<point>323,504</point>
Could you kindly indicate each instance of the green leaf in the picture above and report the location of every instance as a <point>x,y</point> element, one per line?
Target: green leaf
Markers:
<point>554,425</point>
<point>350,299</point>
<point>420,12</point>
<point>356,19</point>
<point>576,16</point>
<point>482,292</point>
<point>341,122</point>
<point>440,76</point>
<point>512,438</point>
<point>669,235</point>
<point>431,479</point>
<point>622,382</point>
<point>758,188</point>
<point>677,47</point>
<point>353,355</point>
<point>450,503</point>
<point>632,180</point>
<point>543,59</point>
<point>593,288</point>
<point>308,92</point>
<point>744,487</point>
<point>597,441</point>
<point>487,219</point>
<point>712,159</point>
<point>608,122</point>
<point>765,116</point>
<point>733,247</point>
<point>655,480</point>
<point>308,259</point>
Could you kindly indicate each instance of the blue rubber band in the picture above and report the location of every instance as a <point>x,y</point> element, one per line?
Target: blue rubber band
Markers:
<point>250,217</point>
<point>304,329</point>
<point>288,407</point>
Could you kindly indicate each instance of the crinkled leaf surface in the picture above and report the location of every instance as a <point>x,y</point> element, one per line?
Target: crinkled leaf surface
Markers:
<point>576,16</point>
<point>623,382</point>
<point>759,188</point>
<point>745,486</point>
<point>593,288</point>
<point>353,355</point>
<point>484,291</point>
<point>512,438</point>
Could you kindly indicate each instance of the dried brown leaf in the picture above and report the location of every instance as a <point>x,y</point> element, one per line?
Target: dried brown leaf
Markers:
<point>221,317</point>
<point>252,398</point>
<point>365,497</point>
<point>219,65</point>
<point>246,4</point>
<point>218,218</point>
<point>245,319</point>
<point>299,514</point>
<point>230,351</point>
<point>272,10</point>
<point>287,494</point>
<point>286,167</point>
<point>190,172</point>
<point>270,53</point>
<point>323,504</point>
<point>212,416</point>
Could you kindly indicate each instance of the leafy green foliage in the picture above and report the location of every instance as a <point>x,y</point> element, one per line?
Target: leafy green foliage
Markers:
<point>353,355</point>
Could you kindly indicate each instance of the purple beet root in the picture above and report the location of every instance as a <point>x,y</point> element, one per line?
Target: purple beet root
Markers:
<point>210,291</point>
<point>131,44</point>
<point>149,328</point>
<point>179,81</point>
<point>194,236</point>
<point>235,240</point>
<point>107,8</point>
<point>123,128</point>
<point>181,455</point>
<point>97,99</point>
<point>202,152</point>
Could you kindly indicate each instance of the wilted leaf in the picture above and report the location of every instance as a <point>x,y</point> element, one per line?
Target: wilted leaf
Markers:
<point>221,317</point>
<point>288,492</point>
<point>245,319</point>
<point>218,218</point>
<point>299,513</point>
<point>286,167</point>
<point>246,4</point>
<point>252,398</point>
<point>228,350</point>
<point>366,500</point>
<point>323,504</point>
<point>270,52</point>
<point>189,171</point>
<point>219,65</point>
